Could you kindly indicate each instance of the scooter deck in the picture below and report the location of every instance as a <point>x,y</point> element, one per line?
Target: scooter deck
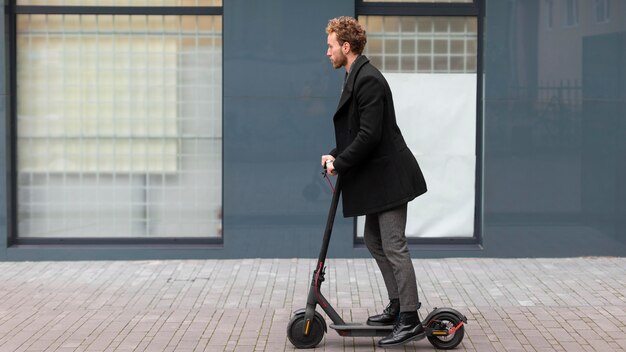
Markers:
<point>358,329</point>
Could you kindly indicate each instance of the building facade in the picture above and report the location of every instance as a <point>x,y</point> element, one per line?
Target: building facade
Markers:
<point>138,129</point>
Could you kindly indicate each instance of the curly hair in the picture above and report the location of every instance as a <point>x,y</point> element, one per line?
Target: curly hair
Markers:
<point>348,30</point>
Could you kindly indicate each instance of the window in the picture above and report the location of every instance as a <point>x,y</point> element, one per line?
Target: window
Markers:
<point>430,55</point>
<point>548,13</point>
<point>570,17</point>
<point>601,10</point>
<point>123,3</point>
<point>119,120</point>
<point>425,44</point>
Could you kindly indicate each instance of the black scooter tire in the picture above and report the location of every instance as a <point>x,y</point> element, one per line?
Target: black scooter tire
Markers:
<point>450,341</point>
<point>295,332</point>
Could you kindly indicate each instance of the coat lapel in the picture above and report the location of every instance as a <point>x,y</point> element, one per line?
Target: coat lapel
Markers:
<point>347,90</point>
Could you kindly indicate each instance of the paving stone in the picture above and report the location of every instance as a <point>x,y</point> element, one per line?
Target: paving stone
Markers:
<point>568,304</point>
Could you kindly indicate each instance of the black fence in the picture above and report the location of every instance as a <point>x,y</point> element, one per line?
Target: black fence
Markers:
<point>544,118</point>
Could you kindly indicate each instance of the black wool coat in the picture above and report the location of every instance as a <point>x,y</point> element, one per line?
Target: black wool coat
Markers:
<point>378,171</point>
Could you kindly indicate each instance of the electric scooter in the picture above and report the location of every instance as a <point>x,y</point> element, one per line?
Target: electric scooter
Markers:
<point>444,327</point>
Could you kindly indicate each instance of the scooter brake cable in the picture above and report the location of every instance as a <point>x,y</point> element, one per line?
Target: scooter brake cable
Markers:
<point>325,173</point>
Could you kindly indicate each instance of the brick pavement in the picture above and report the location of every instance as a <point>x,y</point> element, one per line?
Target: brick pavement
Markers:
<point>575,304</point>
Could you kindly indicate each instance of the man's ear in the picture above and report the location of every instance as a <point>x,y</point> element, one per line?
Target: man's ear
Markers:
<point>346,48</point>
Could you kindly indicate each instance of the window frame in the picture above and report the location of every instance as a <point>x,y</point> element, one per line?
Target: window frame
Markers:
<point>473,9</point>
<point>12,11</point>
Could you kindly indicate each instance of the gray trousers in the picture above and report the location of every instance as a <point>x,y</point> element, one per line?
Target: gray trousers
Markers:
<point>384,237</point>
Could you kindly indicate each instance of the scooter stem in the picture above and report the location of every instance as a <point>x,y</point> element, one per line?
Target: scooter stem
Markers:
<point>329,222</point>
<point>315,297</point>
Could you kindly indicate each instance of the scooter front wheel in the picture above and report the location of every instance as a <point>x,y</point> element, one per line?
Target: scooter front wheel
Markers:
<point>446,331</point>
<point>296,328</point>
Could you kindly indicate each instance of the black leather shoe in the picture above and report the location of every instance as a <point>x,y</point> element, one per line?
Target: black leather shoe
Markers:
<point>389,316</point>
<point>407,328</point>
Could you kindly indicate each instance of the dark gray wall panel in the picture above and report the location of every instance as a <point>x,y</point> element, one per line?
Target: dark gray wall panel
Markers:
<point>280,92</point>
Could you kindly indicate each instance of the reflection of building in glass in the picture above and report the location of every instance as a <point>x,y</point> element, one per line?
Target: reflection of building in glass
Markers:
<point>553,54</point>
<point>560,46</point>
<point>558,119</point>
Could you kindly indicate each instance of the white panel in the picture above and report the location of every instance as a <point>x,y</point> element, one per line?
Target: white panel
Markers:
<point>437,116</point>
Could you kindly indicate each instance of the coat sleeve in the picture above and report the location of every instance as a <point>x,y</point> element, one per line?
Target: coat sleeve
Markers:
<point>370,102</point>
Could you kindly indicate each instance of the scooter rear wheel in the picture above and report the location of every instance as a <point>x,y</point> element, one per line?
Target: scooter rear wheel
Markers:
<point>446,322</point>
<point>295,331</point>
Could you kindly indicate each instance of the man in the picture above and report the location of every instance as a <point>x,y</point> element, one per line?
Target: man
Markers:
<point>379,175</point>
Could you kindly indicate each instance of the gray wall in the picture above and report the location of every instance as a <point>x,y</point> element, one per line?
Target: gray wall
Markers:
<point>553,173</point>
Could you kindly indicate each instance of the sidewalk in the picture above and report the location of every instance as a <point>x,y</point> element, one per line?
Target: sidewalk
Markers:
<point>568,305</point>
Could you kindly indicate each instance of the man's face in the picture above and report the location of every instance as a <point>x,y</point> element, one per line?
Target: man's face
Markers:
<point>335,51</point>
